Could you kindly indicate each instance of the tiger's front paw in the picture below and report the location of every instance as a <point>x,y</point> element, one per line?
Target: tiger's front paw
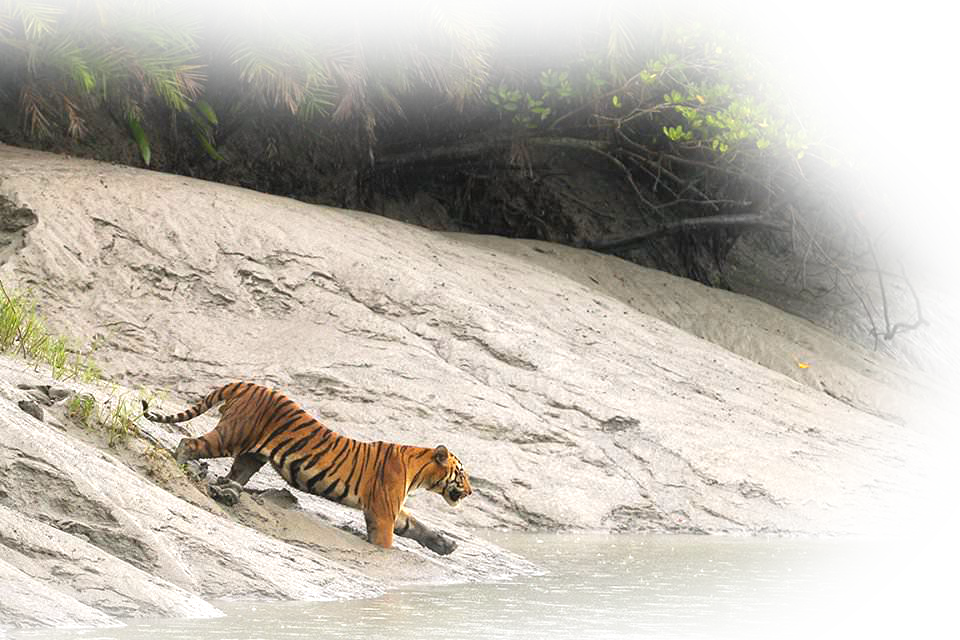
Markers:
<point>195,469</point>
<point>225,491</point>
<point>440,544</point>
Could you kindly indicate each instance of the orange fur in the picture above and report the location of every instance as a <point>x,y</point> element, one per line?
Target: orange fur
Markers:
<point>258,425</point>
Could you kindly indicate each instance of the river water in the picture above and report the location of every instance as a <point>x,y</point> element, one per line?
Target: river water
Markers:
<point>610,586</point>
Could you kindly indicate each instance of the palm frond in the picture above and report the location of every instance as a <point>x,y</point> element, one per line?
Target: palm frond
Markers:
<point>140,137</point>
<point>285,58</point>
<point>76,125</point>
<point>39,18</point>
<point>161,50</point>
<point>173,25</point>
<point>6,21</point>
<point>469,39</point>
<point>67,57</point>
<point>349,67</point>
<point>35,110</point>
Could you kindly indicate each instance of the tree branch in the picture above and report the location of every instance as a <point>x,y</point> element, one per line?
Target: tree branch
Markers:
<point>734,220</point>
<point>898,327</point>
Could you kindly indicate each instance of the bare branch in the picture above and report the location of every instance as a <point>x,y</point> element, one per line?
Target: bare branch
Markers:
<point>892,330</point>
<point>736,220</point>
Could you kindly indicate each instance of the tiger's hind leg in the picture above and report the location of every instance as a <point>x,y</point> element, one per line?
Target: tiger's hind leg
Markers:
<point>227,489</point>
<point>409,527</point>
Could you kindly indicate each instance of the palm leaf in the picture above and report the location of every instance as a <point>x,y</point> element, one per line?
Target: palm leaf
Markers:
<point>203,108</point>
<point>140,137</point>
<point>6,22</point>
<point>280,59</point>
<point>39,18</point>
<point>76,125</point>
<point>35,110</point>
<point>144,44</point>
<point>69,58</point>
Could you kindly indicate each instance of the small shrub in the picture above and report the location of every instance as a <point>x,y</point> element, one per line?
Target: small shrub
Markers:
<point>118,418</point>
<point>82,408</point>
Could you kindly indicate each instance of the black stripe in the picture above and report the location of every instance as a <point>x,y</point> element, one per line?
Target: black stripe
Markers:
<point>323,472</point>
<point>312,482</point>
<point>298,445</point>
<point>295,473</point>
<point>363,468</point>
<point>237,395</point>
<point>416,477</point>
<point>258,400</point>
<point>315,458</point>
<point>332,468</point>
<point>353,470</point>
<point>240,390</point>
<point>276,411</point>
<point>283,427</point>
<point>383,464</point>
<point>350,451</point>
<point>326,492</point>
<point>220,442</point>
<point>255,406</point>
<point>217,396</point>
<point>276,449</point>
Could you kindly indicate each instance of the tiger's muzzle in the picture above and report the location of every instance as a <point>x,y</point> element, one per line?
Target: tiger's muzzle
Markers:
<point>454,495</point>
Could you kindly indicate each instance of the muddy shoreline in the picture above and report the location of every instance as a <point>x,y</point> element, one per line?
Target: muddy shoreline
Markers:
<point>582,392</point>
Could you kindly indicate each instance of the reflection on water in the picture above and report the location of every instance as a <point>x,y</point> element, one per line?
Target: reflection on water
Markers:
<point>598,586</point>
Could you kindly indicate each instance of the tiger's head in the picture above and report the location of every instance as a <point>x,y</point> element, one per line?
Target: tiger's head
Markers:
<point>451,480</point>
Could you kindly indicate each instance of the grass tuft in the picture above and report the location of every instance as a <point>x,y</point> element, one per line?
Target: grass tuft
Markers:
<point>82,407</point>
<point>23,331</point>
<point>117,416</point>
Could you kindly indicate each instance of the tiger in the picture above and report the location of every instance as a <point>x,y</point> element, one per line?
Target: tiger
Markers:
<point>258,424</point>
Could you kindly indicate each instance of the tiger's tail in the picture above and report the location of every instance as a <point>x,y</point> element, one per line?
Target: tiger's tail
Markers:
<point>212,399</point>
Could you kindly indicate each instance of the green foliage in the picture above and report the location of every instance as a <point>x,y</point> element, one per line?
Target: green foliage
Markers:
<point>23,332</point>
<point>82,407</point>
<point>751,93</point>
<point>631,28</point>
<point>282,56</point>
<point>694,88</point>
<point>21,327</point>
<point>37,18</point>
<point>136,131</point>
<point>715,97</point>
<point>300,55</point>
<point>205,120</point>
<point>117,416</point>
<point>555,91</point>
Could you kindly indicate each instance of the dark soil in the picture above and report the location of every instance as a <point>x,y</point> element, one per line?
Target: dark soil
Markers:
<point>459,182</point>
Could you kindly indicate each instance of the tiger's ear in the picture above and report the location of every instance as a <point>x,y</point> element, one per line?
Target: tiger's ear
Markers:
<point>440,454</point>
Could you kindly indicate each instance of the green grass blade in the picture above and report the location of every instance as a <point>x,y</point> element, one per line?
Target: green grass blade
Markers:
<point>136,130</point>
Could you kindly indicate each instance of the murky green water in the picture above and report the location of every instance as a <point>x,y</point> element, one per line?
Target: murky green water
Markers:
<point>605,586</point>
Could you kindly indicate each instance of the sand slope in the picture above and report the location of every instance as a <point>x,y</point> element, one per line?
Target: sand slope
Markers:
<point>581,392</point>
